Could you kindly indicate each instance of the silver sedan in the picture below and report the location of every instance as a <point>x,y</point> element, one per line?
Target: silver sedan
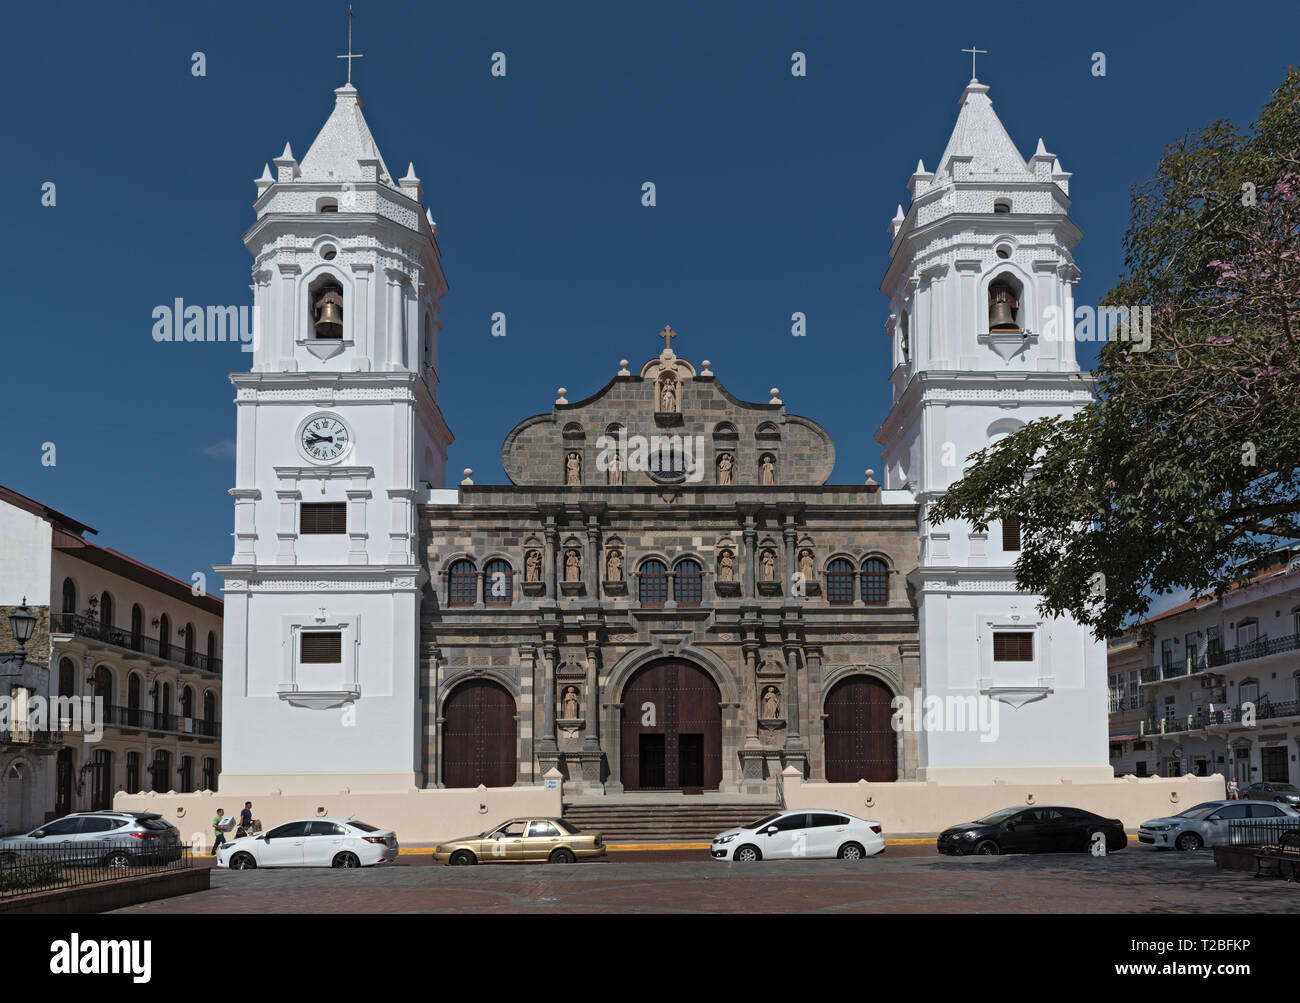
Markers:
<point>1209,824</point>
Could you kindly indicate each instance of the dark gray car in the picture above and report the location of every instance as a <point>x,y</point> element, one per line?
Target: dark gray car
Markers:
<point>113,838</point>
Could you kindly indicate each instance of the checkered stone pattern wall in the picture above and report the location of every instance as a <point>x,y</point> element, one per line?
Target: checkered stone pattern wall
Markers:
<point>542,640</point>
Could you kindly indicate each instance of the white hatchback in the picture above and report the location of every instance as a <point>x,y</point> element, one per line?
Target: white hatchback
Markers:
<point>787,835</point>
<point>312,842</point>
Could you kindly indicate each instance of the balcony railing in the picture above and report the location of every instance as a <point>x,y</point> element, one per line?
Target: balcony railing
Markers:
<point>148,720</point>
<point>1260,648</point>
<point>84,626</point>
<point>31,739</point>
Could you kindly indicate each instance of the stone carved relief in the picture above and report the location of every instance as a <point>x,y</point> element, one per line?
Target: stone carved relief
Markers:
<point>533,566</point>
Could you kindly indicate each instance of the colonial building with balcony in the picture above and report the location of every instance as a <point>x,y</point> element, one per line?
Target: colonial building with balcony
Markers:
<point>1131,752</point>
<point>140,645</point>
<point>1221,683</point>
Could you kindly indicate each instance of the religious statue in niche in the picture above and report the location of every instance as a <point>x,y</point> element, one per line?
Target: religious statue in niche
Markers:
<point>771,704</point>
<point>668,394</point>
<point>768,561</point>
<point>614,566</point>
<point>726,566</point>
<point>570,704</point>
<point>533,566</point>
<point>726,464</point>
<point>572,566</point>
<point>767,470</point>
<point>615,469</point>
<point>806,564</point>
<point>573,469</point>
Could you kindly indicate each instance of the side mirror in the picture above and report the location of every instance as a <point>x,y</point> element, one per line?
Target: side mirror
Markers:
<point>38,834</point>
<point>770,831</point>
<point>1009,826</point>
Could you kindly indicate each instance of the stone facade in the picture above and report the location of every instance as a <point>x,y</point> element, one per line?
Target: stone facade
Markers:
<point>567,641</point>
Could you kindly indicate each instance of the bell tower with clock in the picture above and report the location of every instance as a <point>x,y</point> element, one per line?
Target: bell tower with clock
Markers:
<point>339,438</point>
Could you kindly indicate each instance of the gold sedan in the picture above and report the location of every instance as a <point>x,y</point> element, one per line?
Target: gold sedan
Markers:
<point>522,840</point>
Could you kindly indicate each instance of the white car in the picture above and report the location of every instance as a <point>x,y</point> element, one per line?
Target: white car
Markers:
<point>312,842</point>
<point>787,835</point>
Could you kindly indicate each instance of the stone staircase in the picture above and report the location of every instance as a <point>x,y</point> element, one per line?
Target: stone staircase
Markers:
<point>681,821</point>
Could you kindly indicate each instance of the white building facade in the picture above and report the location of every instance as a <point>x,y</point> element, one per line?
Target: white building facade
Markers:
<point>339,439</point>
<point>980,286</point>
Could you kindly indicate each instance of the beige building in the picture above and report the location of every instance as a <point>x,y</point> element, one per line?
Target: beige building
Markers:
<point>134,681</point>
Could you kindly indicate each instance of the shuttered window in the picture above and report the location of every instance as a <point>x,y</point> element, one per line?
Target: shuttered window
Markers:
<point>1011,534</point>
<point>1013,646</point>
<point>322,647</point>
<point>323,517</point>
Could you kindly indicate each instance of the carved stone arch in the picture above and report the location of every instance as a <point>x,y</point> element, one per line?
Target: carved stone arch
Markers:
<point>891,676</point>
<point>458,555</point>
<point>456,675</point>
<point>837,555</point>
<point>626,666</point>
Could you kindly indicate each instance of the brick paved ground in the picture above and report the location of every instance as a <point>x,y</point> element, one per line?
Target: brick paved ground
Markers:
<point>904,880</point>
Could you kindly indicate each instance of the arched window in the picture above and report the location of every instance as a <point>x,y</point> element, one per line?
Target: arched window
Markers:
<point>208,726</point>
<point>212,650</point>
<point>164,636</point>
<point>1004,304</point>
<point>839,582</point>
<point>104,686</point>
<point>209,773</point>
<point>69,596</point>
<point>160,772</point>
<point>187,774</point>
<point>462,583</point>
<point>132,773</point>
<point>187,702</point>
<point>325,302</point>
<point>189,643</point>
<point>67,678</point>
<point>1002,207</point>
<point>498,583</point>
<point>106,609</point>
<point>137,626</point>
<point>133,700</point>
<point>652,589</point>
<point>875,582</point>
<point>688,582</point>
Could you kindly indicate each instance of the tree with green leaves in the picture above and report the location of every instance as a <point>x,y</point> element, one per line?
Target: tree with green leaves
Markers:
<point>1184,472</point>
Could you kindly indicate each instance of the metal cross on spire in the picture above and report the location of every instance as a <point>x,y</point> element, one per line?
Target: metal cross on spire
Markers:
<point>972,50</point>
<point>351,55</point>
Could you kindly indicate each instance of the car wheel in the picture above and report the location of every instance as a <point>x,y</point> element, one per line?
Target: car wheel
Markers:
<point>851,851</point>
<point>987,848</point>
<point>242,862</point>
<point>562,856</point>
<point>747,855</point>
<point>346,860</point>
<point>1189,841</point>
<point>462,858</point>
<point>118,859</point>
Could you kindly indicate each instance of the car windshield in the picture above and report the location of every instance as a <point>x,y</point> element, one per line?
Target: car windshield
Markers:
<point>763,821</point>
<point>997,816</point>
<point>1190,812</point>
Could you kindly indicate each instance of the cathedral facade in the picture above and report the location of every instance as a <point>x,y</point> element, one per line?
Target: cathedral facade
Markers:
<point>667,595</point>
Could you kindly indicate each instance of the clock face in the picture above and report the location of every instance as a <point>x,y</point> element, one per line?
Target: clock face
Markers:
<point>324,438</point>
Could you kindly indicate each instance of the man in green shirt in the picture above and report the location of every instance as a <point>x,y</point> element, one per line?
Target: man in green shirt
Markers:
<point>218,836</point>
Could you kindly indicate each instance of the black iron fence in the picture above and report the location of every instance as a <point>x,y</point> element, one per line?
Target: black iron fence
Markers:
<point>25,870</point>
<point>1260,831</point>
<point>148,720</point>
<point>84,626</point>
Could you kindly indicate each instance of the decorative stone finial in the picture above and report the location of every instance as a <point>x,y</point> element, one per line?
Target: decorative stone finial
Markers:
<point>871,474</point>
<point>467,480</point>
<point>562,399</point>
<point>776,396</point>
<point>706,371</point>
<point>622,368</point>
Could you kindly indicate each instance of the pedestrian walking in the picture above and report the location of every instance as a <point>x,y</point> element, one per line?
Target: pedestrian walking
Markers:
<point>219,826</point>
<point>245,820</point>
<point>1233,793</point>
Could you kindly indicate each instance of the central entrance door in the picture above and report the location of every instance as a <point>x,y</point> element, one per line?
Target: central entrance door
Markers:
<point>860,741</point>
<point>478,736</point>
<point>671,735</point>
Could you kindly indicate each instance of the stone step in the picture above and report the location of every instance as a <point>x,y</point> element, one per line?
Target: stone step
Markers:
<point>664,822</point>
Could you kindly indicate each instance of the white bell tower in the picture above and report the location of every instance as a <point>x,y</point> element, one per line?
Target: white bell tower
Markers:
<point>980,286</point>
<point>339,438</point>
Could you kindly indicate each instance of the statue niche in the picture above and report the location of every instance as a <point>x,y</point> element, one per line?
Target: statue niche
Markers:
<point>572,566</point>
<point>573,468</point>
<point>533,566</point>
<point>726,468</point>
<point>771,709</point>
<point>669,395</point>
<point>614,566</point>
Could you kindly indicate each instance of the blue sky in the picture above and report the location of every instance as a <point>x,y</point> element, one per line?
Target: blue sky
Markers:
<point>773,197</point>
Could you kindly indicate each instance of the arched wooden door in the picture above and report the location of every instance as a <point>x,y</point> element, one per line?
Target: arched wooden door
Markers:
<point>671,734</point>
<point>861,743</point>
<point>478,736</point>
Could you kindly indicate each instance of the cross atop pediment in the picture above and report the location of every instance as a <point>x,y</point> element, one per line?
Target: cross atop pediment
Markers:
<point>668,334</point>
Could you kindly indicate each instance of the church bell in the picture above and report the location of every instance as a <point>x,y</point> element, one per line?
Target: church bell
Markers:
<point>1002,308</point>
<point>329,314</point>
